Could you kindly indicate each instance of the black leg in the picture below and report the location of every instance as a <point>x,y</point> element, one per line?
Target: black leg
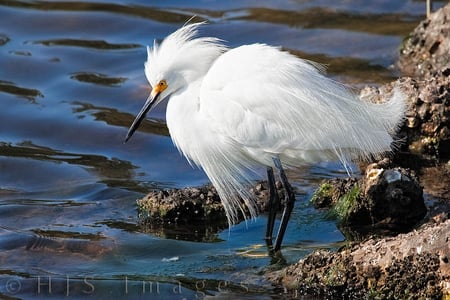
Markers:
<point>288,206</point>
<point>274,202</point>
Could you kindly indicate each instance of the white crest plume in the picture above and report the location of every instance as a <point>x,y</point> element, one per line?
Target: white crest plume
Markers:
<point>179,50</point>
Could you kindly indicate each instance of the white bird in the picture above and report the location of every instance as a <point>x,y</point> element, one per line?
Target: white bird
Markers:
<point>233,110</point>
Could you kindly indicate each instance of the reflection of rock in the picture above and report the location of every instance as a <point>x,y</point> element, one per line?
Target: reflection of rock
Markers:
<point>410,266</point>
<point>83,247</point>
<point>68,242</point>
<point>171,212</point>
<point>384,201</point>
<point>186,232</point>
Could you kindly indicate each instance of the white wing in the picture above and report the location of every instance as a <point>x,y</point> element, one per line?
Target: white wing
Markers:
<point>273,103</point>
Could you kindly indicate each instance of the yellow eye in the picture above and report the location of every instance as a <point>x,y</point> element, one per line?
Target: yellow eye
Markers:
<point>160,86</point>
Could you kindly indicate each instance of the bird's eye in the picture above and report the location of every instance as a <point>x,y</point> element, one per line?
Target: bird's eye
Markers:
<point>161,86</point>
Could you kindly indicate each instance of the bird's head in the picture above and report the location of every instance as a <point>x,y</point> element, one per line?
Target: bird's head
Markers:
<point>172,65</point>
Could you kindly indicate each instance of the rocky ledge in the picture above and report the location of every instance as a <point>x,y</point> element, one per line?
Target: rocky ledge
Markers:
<point>414,265</point>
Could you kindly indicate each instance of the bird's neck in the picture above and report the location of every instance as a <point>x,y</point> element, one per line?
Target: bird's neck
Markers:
<point>184,119</point>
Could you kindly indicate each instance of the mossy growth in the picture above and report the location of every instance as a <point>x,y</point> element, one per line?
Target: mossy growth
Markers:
<point>322,197</point>
<point>345,204</point>
<point>145,207</point>
<point>149,208</point>
<point>446,296</point>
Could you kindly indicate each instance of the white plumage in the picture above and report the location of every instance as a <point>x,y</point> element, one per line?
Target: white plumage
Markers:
<point>232,110</point>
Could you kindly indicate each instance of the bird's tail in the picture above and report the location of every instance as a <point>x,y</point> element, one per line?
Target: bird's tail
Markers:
<point>380,123</point>
<point>391,114</point>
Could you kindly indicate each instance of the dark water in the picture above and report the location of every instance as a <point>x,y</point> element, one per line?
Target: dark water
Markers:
<point>71,81</point>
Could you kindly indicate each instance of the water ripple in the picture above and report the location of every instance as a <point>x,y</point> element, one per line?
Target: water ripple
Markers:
<point>321,17</point>
<point>97,44</point>
<point>153,13</point>
<point>23,92</point>
<point>97,78</point>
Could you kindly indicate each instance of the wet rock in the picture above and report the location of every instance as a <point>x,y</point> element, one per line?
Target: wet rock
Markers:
<point>330,191</point>
<point>189,214</point>
<point>436,181</point>
<point>189,205</point>
<point>426,51</point>
<point>383,201</point>
<point>415,265</point>
<point>193,213</point>
<point>396,198</point>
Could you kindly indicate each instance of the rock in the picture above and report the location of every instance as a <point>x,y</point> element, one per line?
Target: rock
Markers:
<point>188,214</point>
<point>425,56</point>
<point>426,51</point>
<point>189,205</point>
<point>395,197</point>
<point>427,127</point>
<point>192,213</point>
<point>436,181</point>
<point>383,201</point>
<point>415,265</point>
<point>330,191</point>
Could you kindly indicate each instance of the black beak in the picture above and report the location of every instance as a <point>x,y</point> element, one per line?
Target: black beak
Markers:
<point>151,100</point>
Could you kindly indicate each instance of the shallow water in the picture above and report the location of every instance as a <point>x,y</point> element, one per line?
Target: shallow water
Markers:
<point>71,82</point>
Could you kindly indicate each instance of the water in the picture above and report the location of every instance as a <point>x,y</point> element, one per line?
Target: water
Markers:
<point>71,82</point>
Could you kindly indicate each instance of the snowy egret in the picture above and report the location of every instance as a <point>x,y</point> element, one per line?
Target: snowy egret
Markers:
<point>233,110</point>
